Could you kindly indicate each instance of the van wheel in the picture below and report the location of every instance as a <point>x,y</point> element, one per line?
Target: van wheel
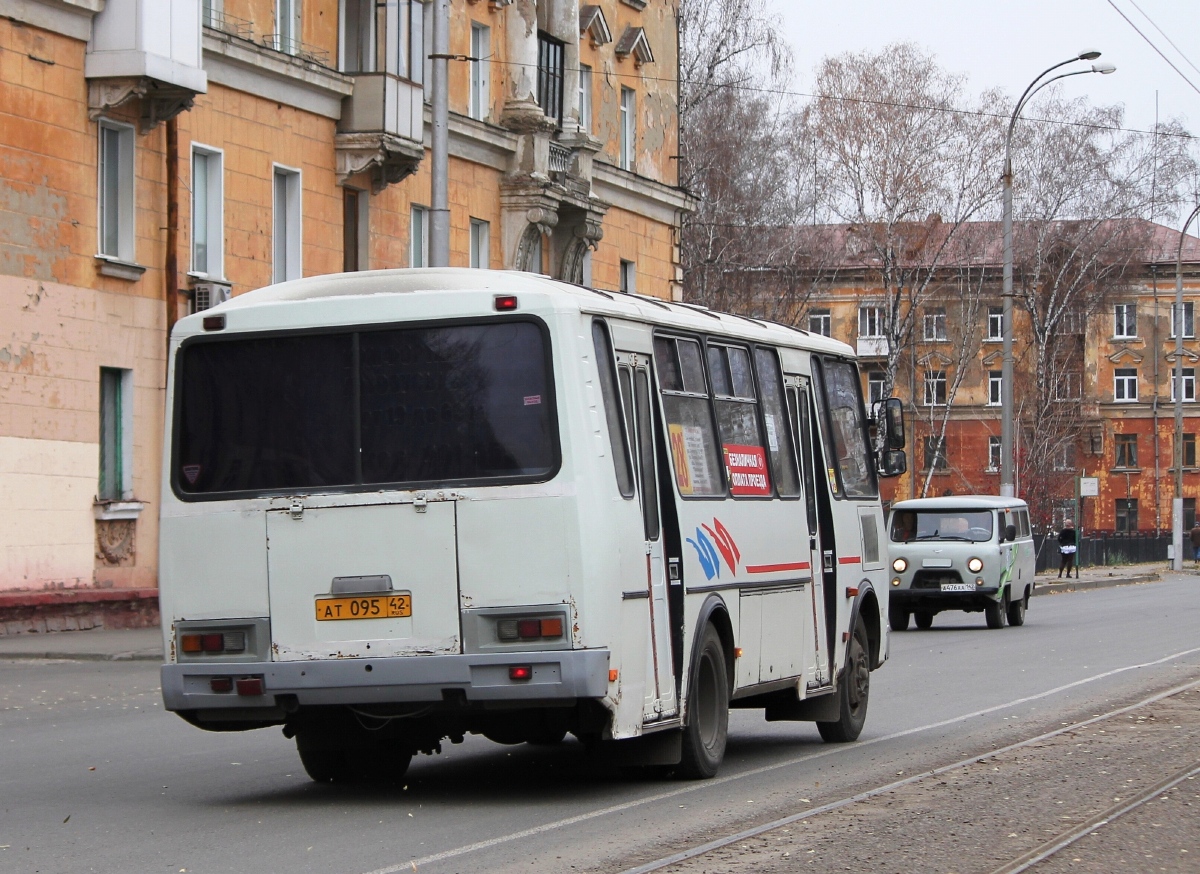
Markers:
<point>924,620</point>
<point>324,765</point>
<point>898,619</point>
<point>707,726</point>
<point>1016,611</point>
<point>995,610</point>
<point>854,692</point>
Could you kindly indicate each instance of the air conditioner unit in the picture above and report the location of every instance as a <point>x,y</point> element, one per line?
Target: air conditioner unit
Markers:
<point>209,294</point>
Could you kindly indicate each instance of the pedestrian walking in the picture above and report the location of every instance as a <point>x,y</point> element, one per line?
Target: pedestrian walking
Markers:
<point>1068,545</point>
<point>1195,535</point>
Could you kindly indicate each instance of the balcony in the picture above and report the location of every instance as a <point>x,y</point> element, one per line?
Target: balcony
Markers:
<point>872,347</point>
<point>381,129</point>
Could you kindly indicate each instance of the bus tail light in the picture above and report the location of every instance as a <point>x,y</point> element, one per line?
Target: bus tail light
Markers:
<point>250,686</point>
<point>520,672</point>
<point>533,628</point>
<point>213,642</point>
<point>505,303</point>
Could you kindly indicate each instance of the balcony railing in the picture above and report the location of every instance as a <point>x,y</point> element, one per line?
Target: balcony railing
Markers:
<point>560,158</point>
<point>220,20</point>
<point>291,46</point>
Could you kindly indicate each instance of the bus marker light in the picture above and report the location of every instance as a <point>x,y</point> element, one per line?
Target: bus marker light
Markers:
<point>613,674</point>
<point>529,629</point>
<point>737,652</point>
<point>979,581</point>
<point>845,636</point>
<point>505,303</point>
<point>552,627</point>
<point>250,686</point>
<point>852,592</point>
<point>520,672</point>
<point>214,323</point>
<point>896,581</point>
<point>220,685</point>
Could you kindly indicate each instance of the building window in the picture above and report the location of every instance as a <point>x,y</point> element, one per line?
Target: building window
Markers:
<point>116,429</point>
<point>870,321</point>
<point>287,26</point>
<point>935,454</point>
<point>993,453</point>
<point>210,12</point>
<point>287,249</point>
<point>481,238</point>
<point>875,383</point>
<point>935,388</point>
<point>1189,320</point>
<point>995,327</point>
<point>585,97</point>
<point>357,38</point>
<point>1072,322</point>
<point>418,238</point>
<point>1189,384</point>
<point>935,323</point>
<point>354,230</point>
<point>208,225</point>
<point>1063,457</point>
<point>1125,320</point>
<point>479,101</point>
<point>1125,387</point>
<point>1127,517</point>
<point>628,277</point>
<point>1068,386</point>
<point>116,191</point>
<point>1189,451</point>
<point>995,388</point>
<point>819,322</point>
<point>550,77</point>
<point>1126,450</point>
<point>1189,513</point>
<point>628,128</point>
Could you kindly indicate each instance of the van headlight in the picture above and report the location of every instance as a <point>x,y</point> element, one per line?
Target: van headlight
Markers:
<point>975,565</point>
<point>900,565</point>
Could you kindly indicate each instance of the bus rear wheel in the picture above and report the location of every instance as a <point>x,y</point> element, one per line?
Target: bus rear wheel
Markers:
<point>707,727</point>
<point>854,692</point>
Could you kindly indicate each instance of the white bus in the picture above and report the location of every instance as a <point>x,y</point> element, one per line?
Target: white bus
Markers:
<point>406,505</point>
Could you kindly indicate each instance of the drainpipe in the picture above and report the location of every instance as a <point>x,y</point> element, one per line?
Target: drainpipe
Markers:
<point>171,263</point>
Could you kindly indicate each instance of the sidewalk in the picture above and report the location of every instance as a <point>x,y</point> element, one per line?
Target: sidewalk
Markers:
<point>1049,583</point>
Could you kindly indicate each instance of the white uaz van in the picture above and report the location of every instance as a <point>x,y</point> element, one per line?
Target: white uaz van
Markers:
<point>960,553</point>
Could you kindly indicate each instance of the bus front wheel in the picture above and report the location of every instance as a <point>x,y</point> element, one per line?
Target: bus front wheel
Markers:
<point>854,692</point>
<point>707,726</point>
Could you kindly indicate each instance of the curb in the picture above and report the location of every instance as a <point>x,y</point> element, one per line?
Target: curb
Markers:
<point>82,656</point>
<point>1056,588</point>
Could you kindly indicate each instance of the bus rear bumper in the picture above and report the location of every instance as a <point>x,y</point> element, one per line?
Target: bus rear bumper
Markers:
<point>554,677</point>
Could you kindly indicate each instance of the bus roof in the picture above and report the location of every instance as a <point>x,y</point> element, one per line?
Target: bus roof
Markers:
<point>965,502</point>
<point>389,283</point>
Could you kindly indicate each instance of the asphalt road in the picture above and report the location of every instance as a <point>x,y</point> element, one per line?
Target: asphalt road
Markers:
<point>94,776</point>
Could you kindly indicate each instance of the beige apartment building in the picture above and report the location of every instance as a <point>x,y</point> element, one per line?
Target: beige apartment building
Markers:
<point>157,156</point>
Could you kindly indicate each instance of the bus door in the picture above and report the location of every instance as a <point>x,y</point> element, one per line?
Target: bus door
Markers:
<point>819,519</point>
<point>634,375</point>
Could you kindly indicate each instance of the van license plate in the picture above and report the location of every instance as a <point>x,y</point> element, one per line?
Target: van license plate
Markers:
<point>957,587</point>
<point>394,606</point>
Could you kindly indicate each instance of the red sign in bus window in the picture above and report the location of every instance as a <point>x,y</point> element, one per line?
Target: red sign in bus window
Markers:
<point>747,467</point>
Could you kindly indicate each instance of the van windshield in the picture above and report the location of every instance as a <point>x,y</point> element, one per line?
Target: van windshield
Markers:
<point>971,525</point>
<point>356,409</point>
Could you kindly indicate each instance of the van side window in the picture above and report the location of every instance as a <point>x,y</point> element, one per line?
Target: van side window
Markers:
<point>736,403</point>
<point>690,429</point>
<point>1023,527</point>
<point>779,441</point>
<point>606,365</point>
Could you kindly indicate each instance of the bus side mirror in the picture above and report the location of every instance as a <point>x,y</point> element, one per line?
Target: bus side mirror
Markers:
<point>1010,533</point>
<point>891,423</point>
<point>892,462</point>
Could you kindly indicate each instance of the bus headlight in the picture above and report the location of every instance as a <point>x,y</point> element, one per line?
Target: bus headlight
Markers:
<point>975,565</point>
<point>900,565</point>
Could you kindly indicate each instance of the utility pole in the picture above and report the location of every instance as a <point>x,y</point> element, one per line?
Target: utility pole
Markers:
<point>1177,377</point>
<point>439,200</point>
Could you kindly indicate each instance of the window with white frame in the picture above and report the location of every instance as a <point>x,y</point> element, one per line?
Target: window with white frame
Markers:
<point>481,237</point>
<point>1063,457</point>
<point>1068,385</point>
<point>819,322</point>
<point>993,453</point>
<point>875,384</point>
<point>358,36</point>
<point>287,26</point>
<point>208,224</point>
<point>935,454</point>
<point>116,191</point>
<point>628,276</point>
<point>935,388</point>
<point>210,12</point>
<point>287,246</point>
<point>585,97</point>
<point>995,324</point>
<point>418,237</point>
<point>628,128</point>
<point>870,321</point>
<point>1125,384</point>
<point>1189,384</point>
<point>1125,320</point>
<point>480,96</point>
<point>995,388</point>
<point>1189,320</point>
<point>116,435</point>
<point>935,323</point>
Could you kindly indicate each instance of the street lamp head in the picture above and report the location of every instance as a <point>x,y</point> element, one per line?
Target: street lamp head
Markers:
<point>1103,68</point>
<point>1088,55</point>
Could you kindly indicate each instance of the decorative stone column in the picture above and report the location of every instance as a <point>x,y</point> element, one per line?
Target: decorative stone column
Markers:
<point>521,111</point>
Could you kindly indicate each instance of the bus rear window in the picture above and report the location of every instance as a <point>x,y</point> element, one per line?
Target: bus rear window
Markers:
<point>401,406</point>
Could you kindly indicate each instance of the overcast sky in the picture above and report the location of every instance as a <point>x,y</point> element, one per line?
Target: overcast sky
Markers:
<point>1006,43</point>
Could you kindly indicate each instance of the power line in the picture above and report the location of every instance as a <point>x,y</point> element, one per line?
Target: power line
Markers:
<point>1150,42</point>
<point>1165,36</point>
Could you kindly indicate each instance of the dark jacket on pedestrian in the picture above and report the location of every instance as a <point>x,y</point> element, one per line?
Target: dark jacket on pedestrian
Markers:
<point>1066,537</point>
<point>1195,535</point>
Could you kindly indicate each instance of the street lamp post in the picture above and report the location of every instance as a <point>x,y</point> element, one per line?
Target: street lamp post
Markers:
<point>1007,425</point>
<point>1177,324</point>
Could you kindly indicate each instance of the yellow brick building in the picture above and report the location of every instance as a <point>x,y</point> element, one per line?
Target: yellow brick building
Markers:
<point>157,155</point>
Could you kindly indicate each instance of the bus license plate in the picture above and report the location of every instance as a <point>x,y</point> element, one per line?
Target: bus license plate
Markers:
<point>957,587</point>
<point>365,607</point>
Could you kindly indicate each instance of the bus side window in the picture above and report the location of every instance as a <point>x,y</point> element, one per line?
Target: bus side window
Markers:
<point>779,441</point>
<point>736,403</point>
<point>606,366</point>
<point>691,435</point>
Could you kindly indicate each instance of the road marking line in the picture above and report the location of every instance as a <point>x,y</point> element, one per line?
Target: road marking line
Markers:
<point>787,763</point>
